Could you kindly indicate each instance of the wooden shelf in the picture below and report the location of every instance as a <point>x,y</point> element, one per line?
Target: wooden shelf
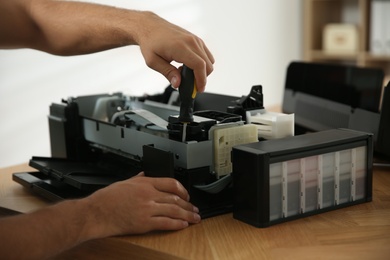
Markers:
<point>318,13</point>
<point>322,55</point>
<point>376,57</point>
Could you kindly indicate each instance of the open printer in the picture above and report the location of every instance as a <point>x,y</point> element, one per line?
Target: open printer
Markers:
<point>234,156</point>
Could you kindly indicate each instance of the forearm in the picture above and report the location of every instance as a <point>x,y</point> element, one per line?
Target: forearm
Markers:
<point>46,232</point>
<point>71,28</point>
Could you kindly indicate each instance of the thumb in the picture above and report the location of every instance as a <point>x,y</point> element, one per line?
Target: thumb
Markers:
<point>168,70</point>
<point>174,78</point>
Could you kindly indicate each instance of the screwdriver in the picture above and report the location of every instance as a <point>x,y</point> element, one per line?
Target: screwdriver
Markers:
<point>187,94</point>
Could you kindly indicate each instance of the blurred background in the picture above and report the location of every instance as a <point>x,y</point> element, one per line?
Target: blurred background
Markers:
<point>252,42</point>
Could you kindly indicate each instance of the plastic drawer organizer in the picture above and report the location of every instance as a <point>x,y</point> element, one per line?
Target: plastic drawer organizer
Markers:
<point>284,179</point>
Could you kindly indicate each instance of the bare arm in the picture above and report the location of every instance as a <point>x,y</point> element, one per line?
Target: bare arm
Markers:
<point>137,205</point>
<point>72,28</point>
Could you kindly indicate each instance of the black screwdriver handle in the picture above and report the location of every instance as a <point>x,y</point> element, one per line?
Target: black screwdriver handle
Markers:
<point>187,93</point>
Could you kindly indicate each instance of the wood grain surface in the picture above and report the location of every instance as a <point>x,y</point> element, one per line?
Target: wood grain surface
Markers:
<point>357,232</point>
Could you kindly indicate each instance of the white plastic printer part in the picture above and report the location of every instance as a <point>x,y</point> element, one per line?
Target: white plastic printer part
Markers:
<point>271,125</point>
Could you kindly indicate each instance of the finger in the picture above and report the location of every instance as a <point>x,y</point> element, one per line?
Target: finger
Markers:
<point>209,58</point>
<point>169,198</point>
<point>200,79</point>
<point>166,223</point>
<point>170,185</point>
<point>175,212</point>
<point>140,174</point>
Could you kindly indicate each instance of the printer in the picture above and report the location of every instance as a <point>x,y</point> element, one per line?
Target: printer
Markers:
<point>235,156</point>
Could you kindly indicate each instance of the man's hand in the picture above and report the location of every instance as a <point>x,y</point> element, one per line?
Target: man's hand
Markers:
<point>138,205</point>
<point>162,42</point>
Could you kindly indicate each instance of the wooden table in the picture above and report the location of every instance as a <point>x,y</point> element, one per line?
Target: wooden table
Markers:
<point>356,232</point>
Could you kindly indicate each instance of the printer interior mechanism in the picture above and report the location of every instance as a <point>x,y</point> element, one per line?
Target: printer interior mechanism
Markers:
<point>99,139</point>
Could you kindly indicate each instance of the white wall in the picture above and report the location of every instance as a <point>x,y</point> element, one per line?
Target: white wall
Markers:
<point>252,41</point>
